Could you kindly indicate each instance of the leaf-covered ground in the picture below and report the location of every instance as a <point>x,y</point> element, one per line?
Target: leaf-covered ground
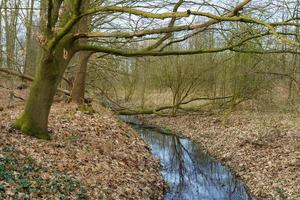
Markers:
<point>262,148</point>
<point>90,157</point>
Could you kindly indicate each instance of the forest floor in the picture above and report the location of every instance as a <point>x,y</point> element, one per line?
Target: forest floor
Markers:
<point>90,156</point>
<point>263,149</point>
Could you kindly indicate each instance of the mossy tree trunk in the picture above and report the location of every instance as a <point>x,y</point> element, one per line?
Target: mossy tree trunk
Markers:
<point>57,49</point>
<point>34,120</point>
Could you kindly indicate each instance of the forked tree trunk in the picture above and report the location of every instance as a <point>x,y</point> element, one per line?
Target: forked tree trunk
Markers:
<point>34,120</point>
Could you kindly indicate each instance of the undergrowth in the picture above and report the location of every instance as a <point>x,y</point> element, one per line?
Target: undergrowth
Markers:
<point>23,178</point>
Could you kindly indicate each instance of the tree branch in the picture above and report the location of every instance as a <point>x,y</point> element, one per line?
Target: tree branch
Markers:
<point>135,53</point>
<point>170,28</point>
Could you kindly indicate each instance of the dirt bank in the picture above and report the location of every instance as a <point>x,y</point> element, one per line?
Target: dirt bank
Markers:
<point>262,148</point>
<point>90,157</point>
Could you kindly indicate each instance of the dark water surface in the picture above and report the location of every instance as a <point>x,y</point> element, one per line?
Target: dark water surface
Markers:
<point>190,173</point>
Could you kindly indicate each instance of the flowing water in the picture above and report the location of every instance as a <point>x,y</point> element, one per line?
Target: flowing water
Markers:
<point>190,173</point>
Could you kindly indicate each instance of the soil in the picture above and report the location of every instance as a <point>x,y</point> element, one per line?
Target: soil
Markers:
<point>263,149</point>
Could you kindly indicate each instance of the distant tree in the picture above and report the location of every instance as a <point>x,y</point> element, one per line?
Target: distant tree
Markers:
<point>29,39</point>
<point>78,90</point>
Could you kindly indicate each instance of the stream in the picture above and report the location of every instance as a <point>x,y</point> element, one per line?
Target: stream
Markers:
<point>190,173</point>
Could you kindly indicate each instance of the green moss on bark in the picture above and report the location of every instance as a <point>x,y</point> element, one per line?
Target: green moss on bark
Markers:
<point>34,120</point>
<point>27,127</point>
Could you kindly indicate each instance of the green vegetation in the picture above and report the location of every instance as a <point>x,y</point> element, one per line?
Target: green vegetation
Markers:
<point>86,109</point>
<point>25,178</point>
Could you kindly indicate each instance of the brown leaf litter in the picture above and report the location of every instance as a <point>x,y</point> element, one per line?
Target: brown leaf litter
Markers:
<point>96,153</point>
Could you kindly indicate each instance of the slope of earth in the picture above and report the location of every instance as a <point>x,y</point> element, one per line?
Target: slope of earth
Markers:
<point>89,157</point>
<point>261,148</point>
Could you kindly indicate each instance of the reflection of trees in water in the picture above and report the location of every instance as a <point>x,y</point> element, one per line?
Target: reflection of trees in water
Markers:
<point>215,174</point>
<point>191,173</point>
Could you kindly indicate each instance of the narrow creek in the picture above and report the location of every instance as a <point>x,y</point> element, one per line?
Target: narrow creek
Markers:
<point>190,173</point>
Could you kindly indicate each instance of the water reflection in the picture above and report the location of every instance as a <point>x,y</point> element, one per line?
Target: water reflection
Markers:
<point>191,174</point>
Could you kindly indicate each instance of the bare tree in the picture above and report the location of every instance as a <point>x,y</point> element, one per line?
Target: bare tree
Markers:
<point>59,41</point>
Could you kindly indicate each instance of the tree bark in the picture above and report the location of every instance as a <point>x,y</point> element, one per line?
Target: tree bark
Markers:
<point>34,120</point>
<point>55,54</point>
<point>28,46</point>
<point>10,20</point>
<point>78,90</point>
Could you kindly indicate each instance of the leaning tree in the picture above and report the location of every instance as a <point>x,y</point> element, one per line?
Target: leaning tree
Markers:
<point>154,30</point>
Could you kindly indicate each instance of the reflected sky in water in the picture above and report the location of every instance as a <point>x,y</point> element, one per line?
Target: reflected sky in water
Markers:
<point>190,173</point>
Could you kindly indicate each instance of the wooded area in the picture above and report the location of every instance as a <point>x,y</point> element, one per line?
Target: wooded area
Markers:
<point>164,58</point>
<point>240,53</point>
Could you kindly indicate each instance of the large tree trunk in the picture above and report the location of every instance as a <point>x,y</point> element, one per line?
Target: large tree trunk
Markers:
<point>55,55</point>
<point>34,120</point>
<point>78,90</point>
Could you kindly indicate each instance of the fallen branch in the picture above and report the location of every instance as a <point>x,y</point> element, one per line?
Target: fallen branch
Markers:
<point>12,93</point>
<point>205,99</point>
<point>157,110</point>
<point>14,73</point>
<point>29,78</point>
